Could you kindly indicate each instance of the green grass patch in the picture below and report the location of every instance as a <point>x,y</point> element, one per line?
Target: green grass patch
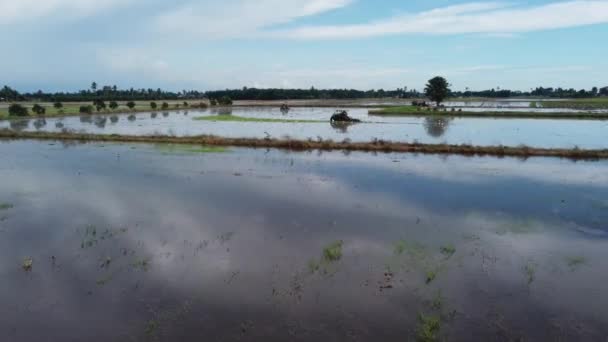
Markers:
<point>448,250</point>
<point>430,275</point>
<point>6,206</point>
<point>413,249</point>
<point>333,252</point>
<point>530,272</point>
<point>73,108</point>
<point>428,328</point>
<point>575,261</point>
<point>580,104</point>
<point>181,148</point>
<point>27,264</point>
<point>235,118</point>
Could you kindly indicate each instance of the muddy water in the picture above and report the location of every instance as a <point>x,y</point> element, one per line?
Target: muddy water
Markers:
<point>146,243</point>
<point>477,131</point>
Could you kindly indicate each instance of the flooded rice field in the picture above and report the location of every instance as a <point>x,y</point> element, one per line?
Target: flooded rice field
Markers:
<point>477,131</point>
<point>122,242</point>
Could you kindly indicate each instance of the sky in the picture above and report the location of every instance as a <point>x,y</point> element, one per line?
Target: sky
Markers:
<point>65,45</point>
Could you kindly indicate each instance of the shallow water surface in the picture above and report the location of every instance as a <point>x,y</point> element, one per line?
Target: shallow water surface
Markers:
<point>148,243</point>
<point>477,131</point>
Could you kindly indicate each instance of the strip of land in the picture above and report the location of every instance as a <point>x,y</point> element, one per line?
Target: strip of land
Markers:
<point>420,111</point>
<point>326,145</point>
<point>73,109</point>
<point>235,118</point>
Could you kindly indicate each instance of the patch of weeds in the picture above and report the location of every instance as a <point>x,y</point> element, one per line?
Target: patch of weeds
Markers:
<point>428,328</point>
<point>104,280</point>
<point>530,272</point>
<point>92,236</point>
<point>27,264</point>
<point>448,251</point>
<point>437,302</point>
<point>400,247</point>
<point>575,261</point>
<point>413,249</point>
<point>151,328</point>
<point>142,264</point>
<point>333,252</point>
<point>431,275</point>
<point>225,237</point>
<point>313,265</point>
<point>6,206</point>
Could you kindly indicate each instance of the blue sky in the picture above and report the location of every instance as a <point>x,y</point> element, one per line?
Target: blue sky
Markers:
<point>364,44</point>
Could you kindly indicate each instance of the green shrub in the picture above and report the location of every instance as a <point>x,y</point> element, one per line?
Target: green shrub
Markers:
<point>86,109</point>
<point>153,105</point>
<point>17,110</point>
<point>165,105</point>
<point>225,101</point>
<point>38,109</point>
<point>131,104</point>
<point>113,105</point>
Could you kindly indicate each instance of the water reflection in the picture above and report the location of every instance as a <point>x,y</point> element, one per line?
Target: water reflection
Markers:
<point>341,127</point>
<point>100,121</point>
<point>86,118</point>
<point>216,245</point>
<point>114,118</point>
<point>39,123</point>
<point>19,124</point>
<point>436,126</point>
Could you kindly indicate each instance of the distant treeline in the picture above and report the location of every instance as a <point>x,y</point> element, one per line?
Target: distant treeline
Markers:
<point>107,93</point>
<point>112,93</point>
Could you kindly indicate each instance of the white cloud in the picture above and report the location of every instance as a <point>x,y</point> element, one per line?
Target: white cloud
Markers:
<point>12,11</point>
<point>237,18</point>
<point>484,18</point>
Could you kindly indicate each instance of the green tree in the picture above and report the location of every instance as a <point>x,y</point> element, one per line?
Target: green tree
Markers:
<point>437,89</point>
<point>94,86</point>
<point>17,110</point>
<point>58,105</point>
<point>99,105</point>
<point>86,109</point>
<point>38,109</point>
<point>113,105</point>
<point>185,104</point>
<point>153,105</point>
<point>225,101</point>
<point>131,105</point>
<point>165,105</point>
<point>213,102</point>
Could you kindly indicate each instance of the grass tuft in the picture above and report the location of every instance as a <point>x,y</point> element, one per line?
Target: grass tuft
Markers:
<point>333,252</point>
<point>428,328</point>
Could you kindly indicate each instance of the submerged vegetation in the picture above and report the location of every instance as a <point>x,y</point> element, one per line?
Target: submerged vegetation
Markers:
<point>428,329</point>
<point>575,261</point>
<point>27,264</point>
<point>331,253</point>
<point>6,206</point>
<point>324,145</point>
